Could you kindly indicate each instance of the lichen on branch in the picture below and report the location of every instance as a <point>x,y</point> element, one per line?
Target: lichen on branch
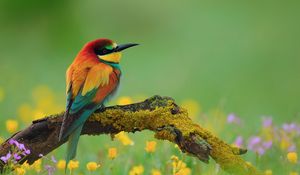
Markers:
<point>159,114</point>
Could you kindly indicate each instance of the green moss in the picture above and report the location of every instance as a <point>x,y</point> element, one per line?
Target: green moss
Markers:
<point>161,116</point>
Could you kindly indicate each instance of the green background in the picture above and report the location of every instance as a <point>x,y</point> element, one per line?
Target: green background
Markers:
<point>243,54</point>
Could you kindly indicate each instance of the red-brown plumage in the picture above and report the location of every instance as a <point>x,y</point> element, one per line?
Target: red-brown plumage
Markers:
<point>85,60</point>
<point>109,88</point>
<point>88,53</point>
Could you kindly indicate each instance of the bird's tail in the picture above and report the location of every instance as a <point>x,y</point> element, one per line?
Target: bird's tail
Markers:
<point>71,128</point>
<point>72,145</point>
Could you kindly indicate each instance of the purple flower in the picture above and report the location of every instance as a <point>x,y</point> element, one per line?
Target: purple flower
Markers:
<point>27,151</point>
<point>50,169</point>
<point>286,127</point>
<point>17,156</point>
<point>20,146</point>
<point>267,144</point>
<point>53,159</point>
<point>239,141</point>
<point>260,151</point>
<point>259,146</point>
<point>14,142</point>
<point>292,148</point>
<point>6,157</point>
<point>11,141</point>
<point>253,142</point>
<point>267,122</point>
<point>232,118</point>
<point>291,128</point>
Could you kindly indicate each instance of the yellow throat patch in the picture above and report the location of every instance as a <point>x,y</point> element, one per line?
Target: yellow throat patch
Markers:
<point>112,57</point>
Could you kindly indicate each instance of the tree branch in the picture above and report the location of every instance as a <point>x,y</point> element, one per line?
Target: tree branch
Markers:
<point>159,114</point>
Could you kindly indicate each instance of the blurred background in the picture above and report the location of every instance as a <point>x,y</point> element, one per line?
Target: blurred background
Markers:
<point>241,57</point>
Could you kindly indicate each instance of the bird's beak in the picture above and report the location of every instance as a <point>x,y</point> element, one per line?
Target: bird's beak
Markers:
<point>124,46</point>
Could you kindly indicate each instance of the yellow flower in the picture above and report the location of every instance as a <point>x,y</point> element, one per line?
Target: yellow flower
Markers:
<point>61,164</point>
<point>26,165</point>
<point>174,158</point>
<point>73,165</point>
<point>12,126</point>
<point>124,100</point>
<point>1,94</point>
<point>92,166</point>
<point>37,114</point>
<point>44,104</point>
<point>43,96</point>
<point>112,153</point>
<point>150,146</point>
<point>184,171</point>
<point>268,172</point>
<point>292,157</point>
<point>137,170</point>
<point>45,101</point>
<point>123,138</point>
<point>20,171</point>
<point>25,113</point>
<point>284,144</point>
<point>155,172</point>
<point>37,165</point>
<point>192,107</point>
<point>179,167</point>
<point>293,173</point>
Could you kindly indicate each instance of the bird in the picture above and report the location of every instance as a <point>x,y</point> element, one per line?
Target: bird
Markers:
<point>91,80</point>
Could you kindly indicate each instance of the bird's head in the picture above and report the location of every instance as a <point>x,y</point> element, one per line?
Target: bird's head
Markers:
<point>107,50</point>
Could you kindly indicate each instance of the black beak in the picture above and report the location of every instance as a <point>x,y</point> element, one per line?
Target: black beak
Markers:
<point>124,46</point>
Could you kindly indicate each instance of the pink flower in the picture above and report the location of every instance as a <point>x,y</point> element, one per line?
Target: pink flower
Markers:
<point>292,148</point>
<point>50,169</point>
<point>6,157</point>
<point>267,122</point>
<point>17,156</point>
<point>267,144</point>
<point>232,118</point>
<point>259,146</point>
<point>20,146</point>
<point>291,128</point>
<point>239,141</point>
<point>253,142</point>
<point>53,159</point>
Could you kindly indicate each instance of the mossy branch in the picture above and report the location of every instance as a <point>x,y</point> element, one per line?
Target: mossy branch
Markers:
<point>158,114</point>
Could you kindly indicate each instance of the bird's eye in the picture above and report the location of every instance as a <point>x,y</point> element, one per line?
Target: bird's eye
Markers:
<point>103,51</point>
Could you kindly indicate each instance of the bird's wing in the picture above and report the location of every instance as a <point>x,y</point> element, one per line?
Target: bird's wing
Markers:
<point>81,93</point>
<point>97,77</point>
<point>69,87</point>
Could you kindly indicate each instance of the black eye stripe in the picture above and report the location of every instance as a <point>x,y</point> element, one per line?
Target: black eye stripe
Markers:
<point>102,51</point>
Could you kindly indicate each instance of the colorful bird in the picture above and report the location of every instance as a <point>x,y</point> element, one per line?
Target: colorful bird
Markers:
<point>91,79</point>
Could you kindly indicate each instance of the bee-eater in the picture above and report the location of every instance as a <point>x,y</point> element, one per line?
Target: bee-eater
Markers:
<point>91,79</point>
